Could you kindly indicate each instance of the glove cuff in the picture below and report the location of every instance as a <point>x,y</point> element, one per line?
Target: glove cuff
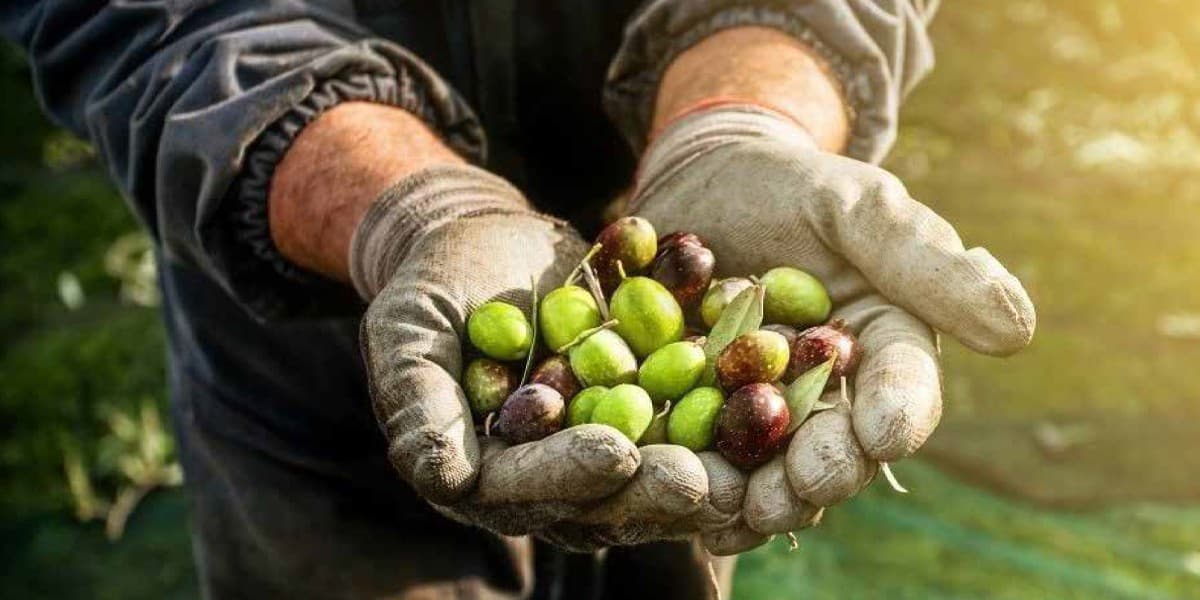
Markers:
<point>416,205</point>
<point>707,127</point>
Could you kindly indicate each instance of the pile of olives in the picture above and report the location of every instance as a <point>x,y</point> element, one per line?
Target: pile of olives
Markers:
<point>642,339</point>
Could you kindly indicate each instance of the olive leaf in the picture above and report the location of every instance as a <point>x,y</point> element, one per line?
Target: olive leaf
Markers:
<point>743,314</point>
<point>804,394</point>
<point>533,292</point>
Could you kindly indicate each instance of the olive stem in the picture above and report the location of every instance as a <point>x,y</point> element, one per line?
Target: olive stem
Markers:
<point>609,324</point>
<point>487,424</point>
<point>529,358</point>
<point>845,394</point>
<point>891,477</point>
<point>593,283</point>
<point>666,409</point>
<point>793,542</point>
<point>583,263</point>
<point>621,270</point>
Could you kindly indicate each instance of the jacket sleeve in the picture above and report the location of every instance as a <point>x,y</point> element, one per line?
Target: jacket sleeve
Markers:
<point>190,104</point>
<point>878,49</point>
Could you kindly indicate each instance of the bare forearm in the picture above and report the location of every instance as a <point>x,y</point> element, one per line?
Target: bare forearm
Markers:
<point>334,169</point>
<point>760,65</point>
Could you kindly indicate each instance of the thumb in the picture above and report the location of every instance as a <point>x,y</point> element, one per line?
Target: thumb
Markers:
<point>916,259</point>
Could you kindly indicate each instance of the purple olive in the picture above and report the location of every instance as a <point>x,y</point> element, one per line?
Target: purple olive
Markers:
<point>531,413</point>
<point>816,345</point>
<point>752,425</point>
<point>556,373</point>
<point>686,270</point>
<point>630,241</point>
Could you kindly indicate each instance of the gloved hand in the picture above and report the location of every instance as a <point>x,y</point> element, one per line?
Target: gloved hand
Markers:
<point>433,248</point>
<point>753,185</point>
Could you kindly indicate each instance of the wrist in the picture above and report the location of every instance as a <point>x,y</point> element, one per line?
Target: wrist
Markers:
<point>759,66</point>
<point>334,169</point>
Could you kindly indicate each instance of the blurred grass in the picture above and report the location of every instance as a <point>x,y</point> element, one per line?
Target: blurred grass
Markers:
<point>1063,135</point>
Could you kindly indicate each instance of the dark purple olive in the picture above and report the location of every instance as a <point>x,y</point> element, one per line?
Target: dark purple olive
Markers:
<point>679,238</point>
<point>758,356</point>
<point>816,345</point>
<point>630,241</point>
<point>556,373</point>
<point>752,425</point>
<point>531,413</point>
<point>686,270</point>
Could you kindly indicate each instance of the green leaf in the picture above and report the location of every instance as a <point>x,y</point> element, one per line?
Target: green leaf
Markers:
<point>744,314</point>
<point>804,394</point>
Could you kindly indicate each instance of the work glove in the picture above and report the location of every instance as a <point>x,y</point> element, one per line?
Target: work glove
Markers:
<point>752,183</point>
<point>428,252</point>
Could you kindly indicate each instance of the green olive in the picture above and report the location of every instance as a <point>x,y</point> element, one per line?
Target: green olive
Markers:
<point>627,408</point>
<point>656,433</point>
<point>648,317</point>
<point>693,418</point>
<point>582,405</point>
<point>719,296</point>
<point>671,371</point>
<point>565,313</point>
<point>501,331</point>
<point>603,359</point>
<point>487,384</point>
<point>794,298</point>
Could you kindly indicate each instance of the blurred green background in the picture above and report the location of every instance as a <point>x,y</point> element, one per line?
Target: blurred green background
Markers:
<point>1063,135</point>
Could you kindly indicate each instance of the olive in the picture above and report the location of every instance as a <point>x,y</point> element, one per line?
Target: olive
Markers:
<point>816,345</point>
<point>487,384</point>
<point>565,313</point>
<point>500,331</point>
<point>627,408</point>
<point>582,405</point>
<point>603,359</point>
<point>719,296</point>
<point>656,432</point>
<point>693,418</point>
<point>758,356</point>
<point>794,298</point>
<point>531,413</point>
<point>685,270</point>
<point>555,372</point>
<point>630,241</point>
<point>679,238</point>
<point>752,425</point>
<point>669,372</point>
<point>788,332</point>
<point>647,316</point>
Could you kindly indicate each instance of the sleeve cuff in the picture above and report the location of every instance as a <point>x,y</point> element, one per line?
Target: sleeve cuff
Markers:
<point>877,57</point>
<point>260,277</point>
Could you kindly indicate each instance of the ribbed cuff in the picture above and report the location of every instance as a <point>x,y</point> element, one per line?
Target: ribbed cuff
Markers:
<point>416,205</point>
<point>266,282</point>
<point>876,57</point>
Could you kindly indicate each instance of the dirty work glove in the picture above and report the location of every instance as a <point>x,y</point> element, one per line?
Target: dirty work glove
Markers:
<point>753,184</point>
<point>429,251</point>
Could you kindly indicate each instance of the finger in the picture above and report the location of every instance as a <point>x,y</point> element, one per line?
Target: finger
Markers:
<point>771,505</point>
<point>916,258</point>
<point>529,486</point>
<point>825,464</point>
<point>897,390</point>
<point>670,484</point>
<point>726,493</point>
<point>733,540</point>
